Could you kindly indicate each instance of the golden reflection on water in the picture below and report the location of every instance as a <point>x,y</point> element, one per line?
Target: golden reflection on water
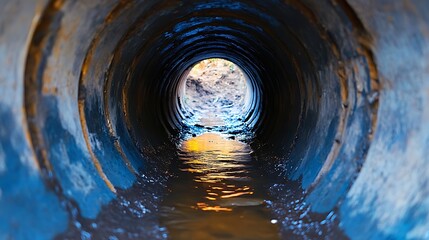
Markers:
<point>216,195</point>
<point>215,159</point>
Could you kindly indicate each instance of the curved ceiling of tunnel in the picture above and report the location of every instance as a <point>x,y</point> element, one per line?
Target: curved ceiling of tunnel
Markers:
<point>106,87</point>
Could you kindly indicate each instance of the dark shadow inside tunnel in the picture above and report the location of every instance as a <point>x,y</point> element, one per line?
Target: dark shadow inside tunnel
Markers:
<point>105,105</point>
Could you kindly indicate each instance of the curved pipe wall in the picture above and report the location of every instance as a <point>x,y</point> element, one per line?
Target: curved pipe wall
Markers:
<point>89,100</point>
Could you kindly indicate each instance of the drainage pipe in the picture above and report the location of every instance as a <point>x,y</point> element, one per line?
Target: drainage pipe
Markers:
<point>89,100</point>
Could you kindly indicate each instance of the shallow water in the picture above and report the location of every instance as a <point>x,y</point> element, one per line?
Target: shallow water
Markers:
<point>217,193</point>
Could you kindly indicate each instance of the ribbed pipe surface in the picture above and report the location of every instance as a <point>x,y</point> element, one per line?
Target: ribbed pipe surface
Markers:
<point>90,108</point>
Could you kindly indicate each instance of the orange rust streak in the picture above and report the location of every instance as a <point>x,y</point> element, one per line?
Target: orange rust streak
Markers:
<point>57,4</point>
<point>341,72</point>
<point>125,158</point>
<point>373,72</point>
<point>88,145</point>
<point>117,10</point>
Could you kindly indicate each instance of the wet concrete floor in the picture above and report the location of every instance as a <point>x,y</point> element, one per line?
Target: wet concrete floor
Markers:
<point>217,193</point>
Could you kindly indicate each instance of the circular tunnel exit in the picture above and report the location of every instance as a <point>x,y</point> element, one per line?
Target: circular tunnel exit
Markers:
<point>215,92</point>
<point>102,114</point>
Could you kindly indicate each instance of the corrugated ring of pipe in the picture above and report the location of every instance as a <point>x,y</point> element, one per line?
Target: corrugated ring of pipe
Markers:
<point>101,88</point>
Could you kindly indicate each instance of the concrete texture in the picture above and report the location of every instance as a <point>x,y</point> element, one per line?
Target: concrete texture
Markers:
<point>88,105</point>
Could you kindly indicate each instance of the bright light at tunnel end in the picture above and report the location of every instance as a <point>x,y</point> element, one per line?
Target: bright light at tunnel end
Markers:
<point>215,94</point>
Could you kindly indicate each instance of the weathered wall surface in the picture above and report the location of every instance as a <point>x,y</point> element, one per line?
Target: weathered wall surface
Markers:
<point>88,93</point>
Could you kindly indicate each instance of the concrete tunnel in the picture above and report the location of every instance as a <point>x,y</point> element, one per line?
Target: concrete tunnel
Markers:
<point>89,107</point>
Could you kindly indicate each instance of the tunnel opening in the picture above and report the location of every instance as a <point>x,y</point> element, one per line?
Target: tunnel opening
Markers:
<point>215,92</point>
<point>106,108</point>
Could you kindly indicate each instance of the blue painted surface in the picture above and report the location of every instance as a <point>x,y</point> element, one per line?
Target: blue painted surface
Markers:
<point>28,210</point>
<point>74,168</point>
<point>358,149</point>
